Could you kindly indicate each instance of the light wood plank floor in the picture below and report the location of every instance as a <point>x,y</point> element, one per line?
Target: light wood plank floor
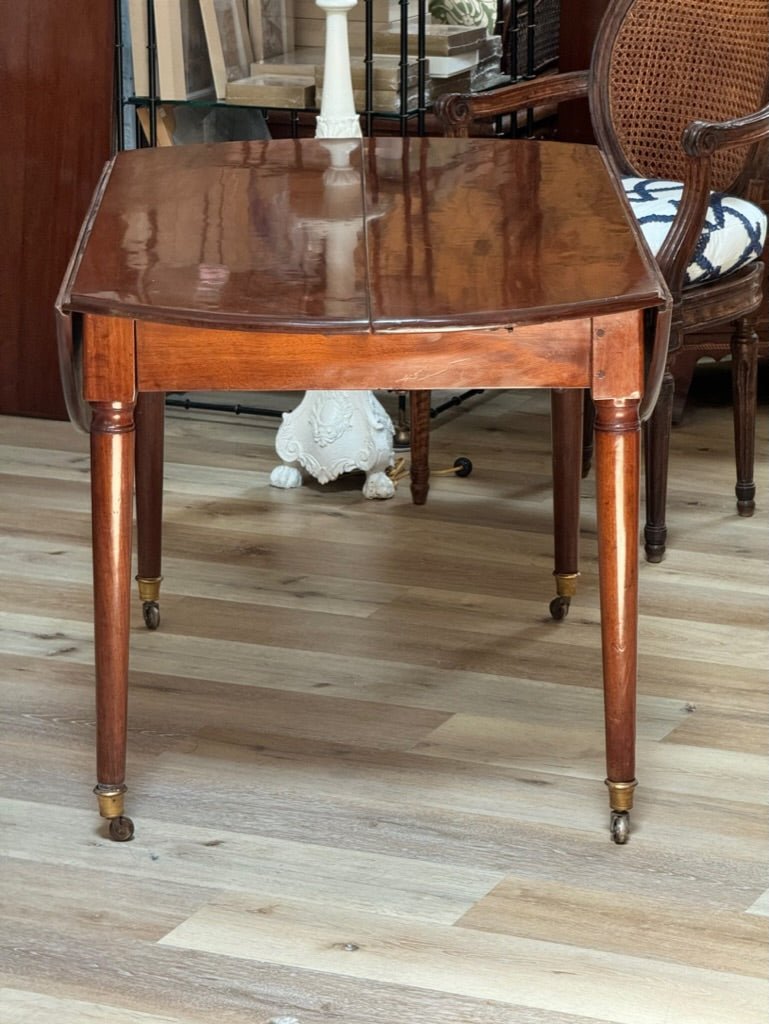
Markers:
<point>364,764</point>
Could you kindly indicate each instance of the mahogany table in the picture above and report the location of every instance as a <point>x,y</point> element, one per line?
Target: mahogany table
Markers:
<point>475,263</point>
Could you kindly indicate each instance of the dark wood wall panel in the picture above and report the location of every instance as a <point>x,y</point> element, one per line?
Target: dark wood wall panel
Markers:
<point>56,74</point>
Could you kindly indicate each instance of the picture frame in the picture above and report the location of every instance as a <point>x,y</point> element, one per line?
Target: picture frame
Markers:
<point>229,42</point>
<point>271,25</point>
<point>183,65</point>
<point>137,26</point>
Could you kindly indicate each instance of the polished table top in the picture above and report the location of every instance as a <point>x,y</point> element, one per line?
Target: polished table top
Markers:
<point>360,235</point>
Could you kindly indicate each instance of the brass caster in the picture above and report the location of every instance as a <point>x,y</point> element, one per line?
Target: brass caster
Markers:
<point>620,827</point>
<point>121,829</point>
<point>151,614</point>
<point>559,608</point>
<point>149,595</point>
<point>111,799</point>
<point>566,588</point>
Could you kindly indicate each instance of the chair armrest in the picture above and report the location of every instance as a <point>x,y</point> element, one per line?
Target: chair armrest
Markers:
<point>703,138</point>
<point>457,111</point>
<point>700,140</point>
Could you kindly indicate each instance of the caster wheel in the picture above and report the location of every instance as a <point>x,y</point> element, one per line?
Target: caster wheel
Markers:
<point>121,829</point>
<point>462,466</point>
<point>620,827</point>
<point>151,613</point>
<point>559,607</point>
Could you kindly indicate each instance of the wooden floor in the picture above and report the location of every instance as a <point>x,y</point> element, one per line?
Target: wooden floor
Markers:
<point>366,768</point>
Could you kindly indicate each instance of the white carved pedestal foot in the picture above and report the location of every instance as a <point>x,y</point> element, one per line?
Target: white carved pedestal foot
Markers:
<point>335,432</point>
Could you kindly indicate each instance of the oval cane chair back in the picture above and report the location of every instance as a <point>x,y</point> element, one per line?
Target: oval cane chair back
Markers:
<point>658,66</point>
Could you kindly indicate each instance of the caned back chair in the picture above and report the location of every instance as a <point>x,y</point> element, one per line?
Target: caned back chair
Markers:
<point>679,101</point>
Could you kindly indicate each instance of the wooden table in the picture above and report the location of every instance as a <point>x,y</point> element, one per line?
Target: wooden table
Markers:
<point>481,263</point>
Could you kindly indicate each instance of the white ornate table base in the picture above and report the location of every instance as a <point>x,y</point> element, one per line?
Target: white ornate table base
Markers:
<point>335,432</point>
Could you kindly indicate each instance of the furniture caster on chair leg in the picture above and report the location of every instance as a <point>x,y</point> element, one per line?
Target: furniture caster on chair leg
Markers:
<point>149,594</point>
<point>110,798</point>
<point>620,801</point>
<point>566,589</point>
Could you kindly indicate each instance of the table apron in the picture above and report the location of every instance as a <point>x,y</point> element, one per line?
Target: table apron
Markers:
<point>177,358</point>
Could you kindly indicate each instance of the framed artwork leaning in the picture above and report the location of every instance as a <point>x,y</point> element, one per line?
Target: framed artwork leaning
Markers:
<point>184,69</point>
<point>229,42</point>
<point>271,24</point>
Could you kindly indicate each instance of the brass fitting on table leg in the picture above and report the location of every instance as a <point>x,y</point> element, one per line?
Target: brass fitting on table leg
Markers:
<point>149,587</point>
<point>110,798</point>
<point>111,803</point>
<point>621,794</point>
<point>565,588</point>
<point>566,583</point>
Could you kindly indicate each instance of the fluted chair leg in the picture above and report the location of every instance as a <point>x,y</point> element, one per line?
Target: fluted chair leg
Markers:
<point>744,397</point>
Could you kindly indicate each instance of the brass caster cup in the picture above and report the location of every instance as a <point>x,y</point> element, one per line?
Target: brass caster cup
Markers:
<point>566,583</point>
<point>621,794</point>
<point>111,800</point>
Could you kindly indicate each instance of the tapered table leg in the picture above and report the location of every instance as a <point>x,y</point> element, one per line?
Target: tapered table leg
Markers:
<point>150,425</point>
<point>617,441</point>
<point>419,406</point>
<point>112,467</point>
<point>566,407</point>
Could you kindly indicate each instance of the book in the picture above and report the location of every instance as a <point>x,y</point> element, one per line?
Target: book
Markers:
<point>387,102</point>
<point>456,64</point>
<point>456,83</point>
<point>266,90</point>
<point>440,40</point>
<point>184,67</point>
<point>312,32</point>
<point>386,72</point>
<point>303,60</point>
<point>382,10</point>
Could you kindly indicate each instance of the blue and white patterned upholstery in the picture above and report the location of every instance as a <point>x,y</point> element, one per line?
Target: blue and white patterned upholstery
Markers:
<point>734,232</point>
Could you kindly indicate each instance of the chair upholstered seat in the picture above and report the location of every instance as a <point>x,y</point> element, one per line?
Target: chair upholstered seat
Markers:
<point>734,231</point>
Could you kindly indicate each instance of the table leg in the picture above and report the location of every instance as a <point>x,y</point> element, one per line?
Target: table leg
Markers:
<point>419,409</point>
<point>566,417</point>
<point>112,468</point>
<point>150,424</point>
<point>617,442</point>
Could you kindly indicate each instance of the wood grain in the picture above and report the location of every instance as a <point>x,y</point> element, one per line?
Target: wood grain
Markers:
<point>359,718</point>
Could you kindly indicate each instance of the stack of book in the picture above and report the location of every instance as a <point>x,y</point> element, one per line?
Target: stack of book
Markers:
<point>451,49</point>
<point>310,22</point>
<point>387,81</point>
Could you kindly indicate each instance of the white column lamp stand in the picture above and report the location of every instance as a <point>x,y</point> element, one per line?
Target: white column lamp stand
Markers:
<point>335,432</point>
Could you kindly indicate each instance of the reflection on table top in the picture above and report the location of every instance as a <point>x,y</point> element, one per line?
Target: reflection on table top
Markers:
<point>375,234</point>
